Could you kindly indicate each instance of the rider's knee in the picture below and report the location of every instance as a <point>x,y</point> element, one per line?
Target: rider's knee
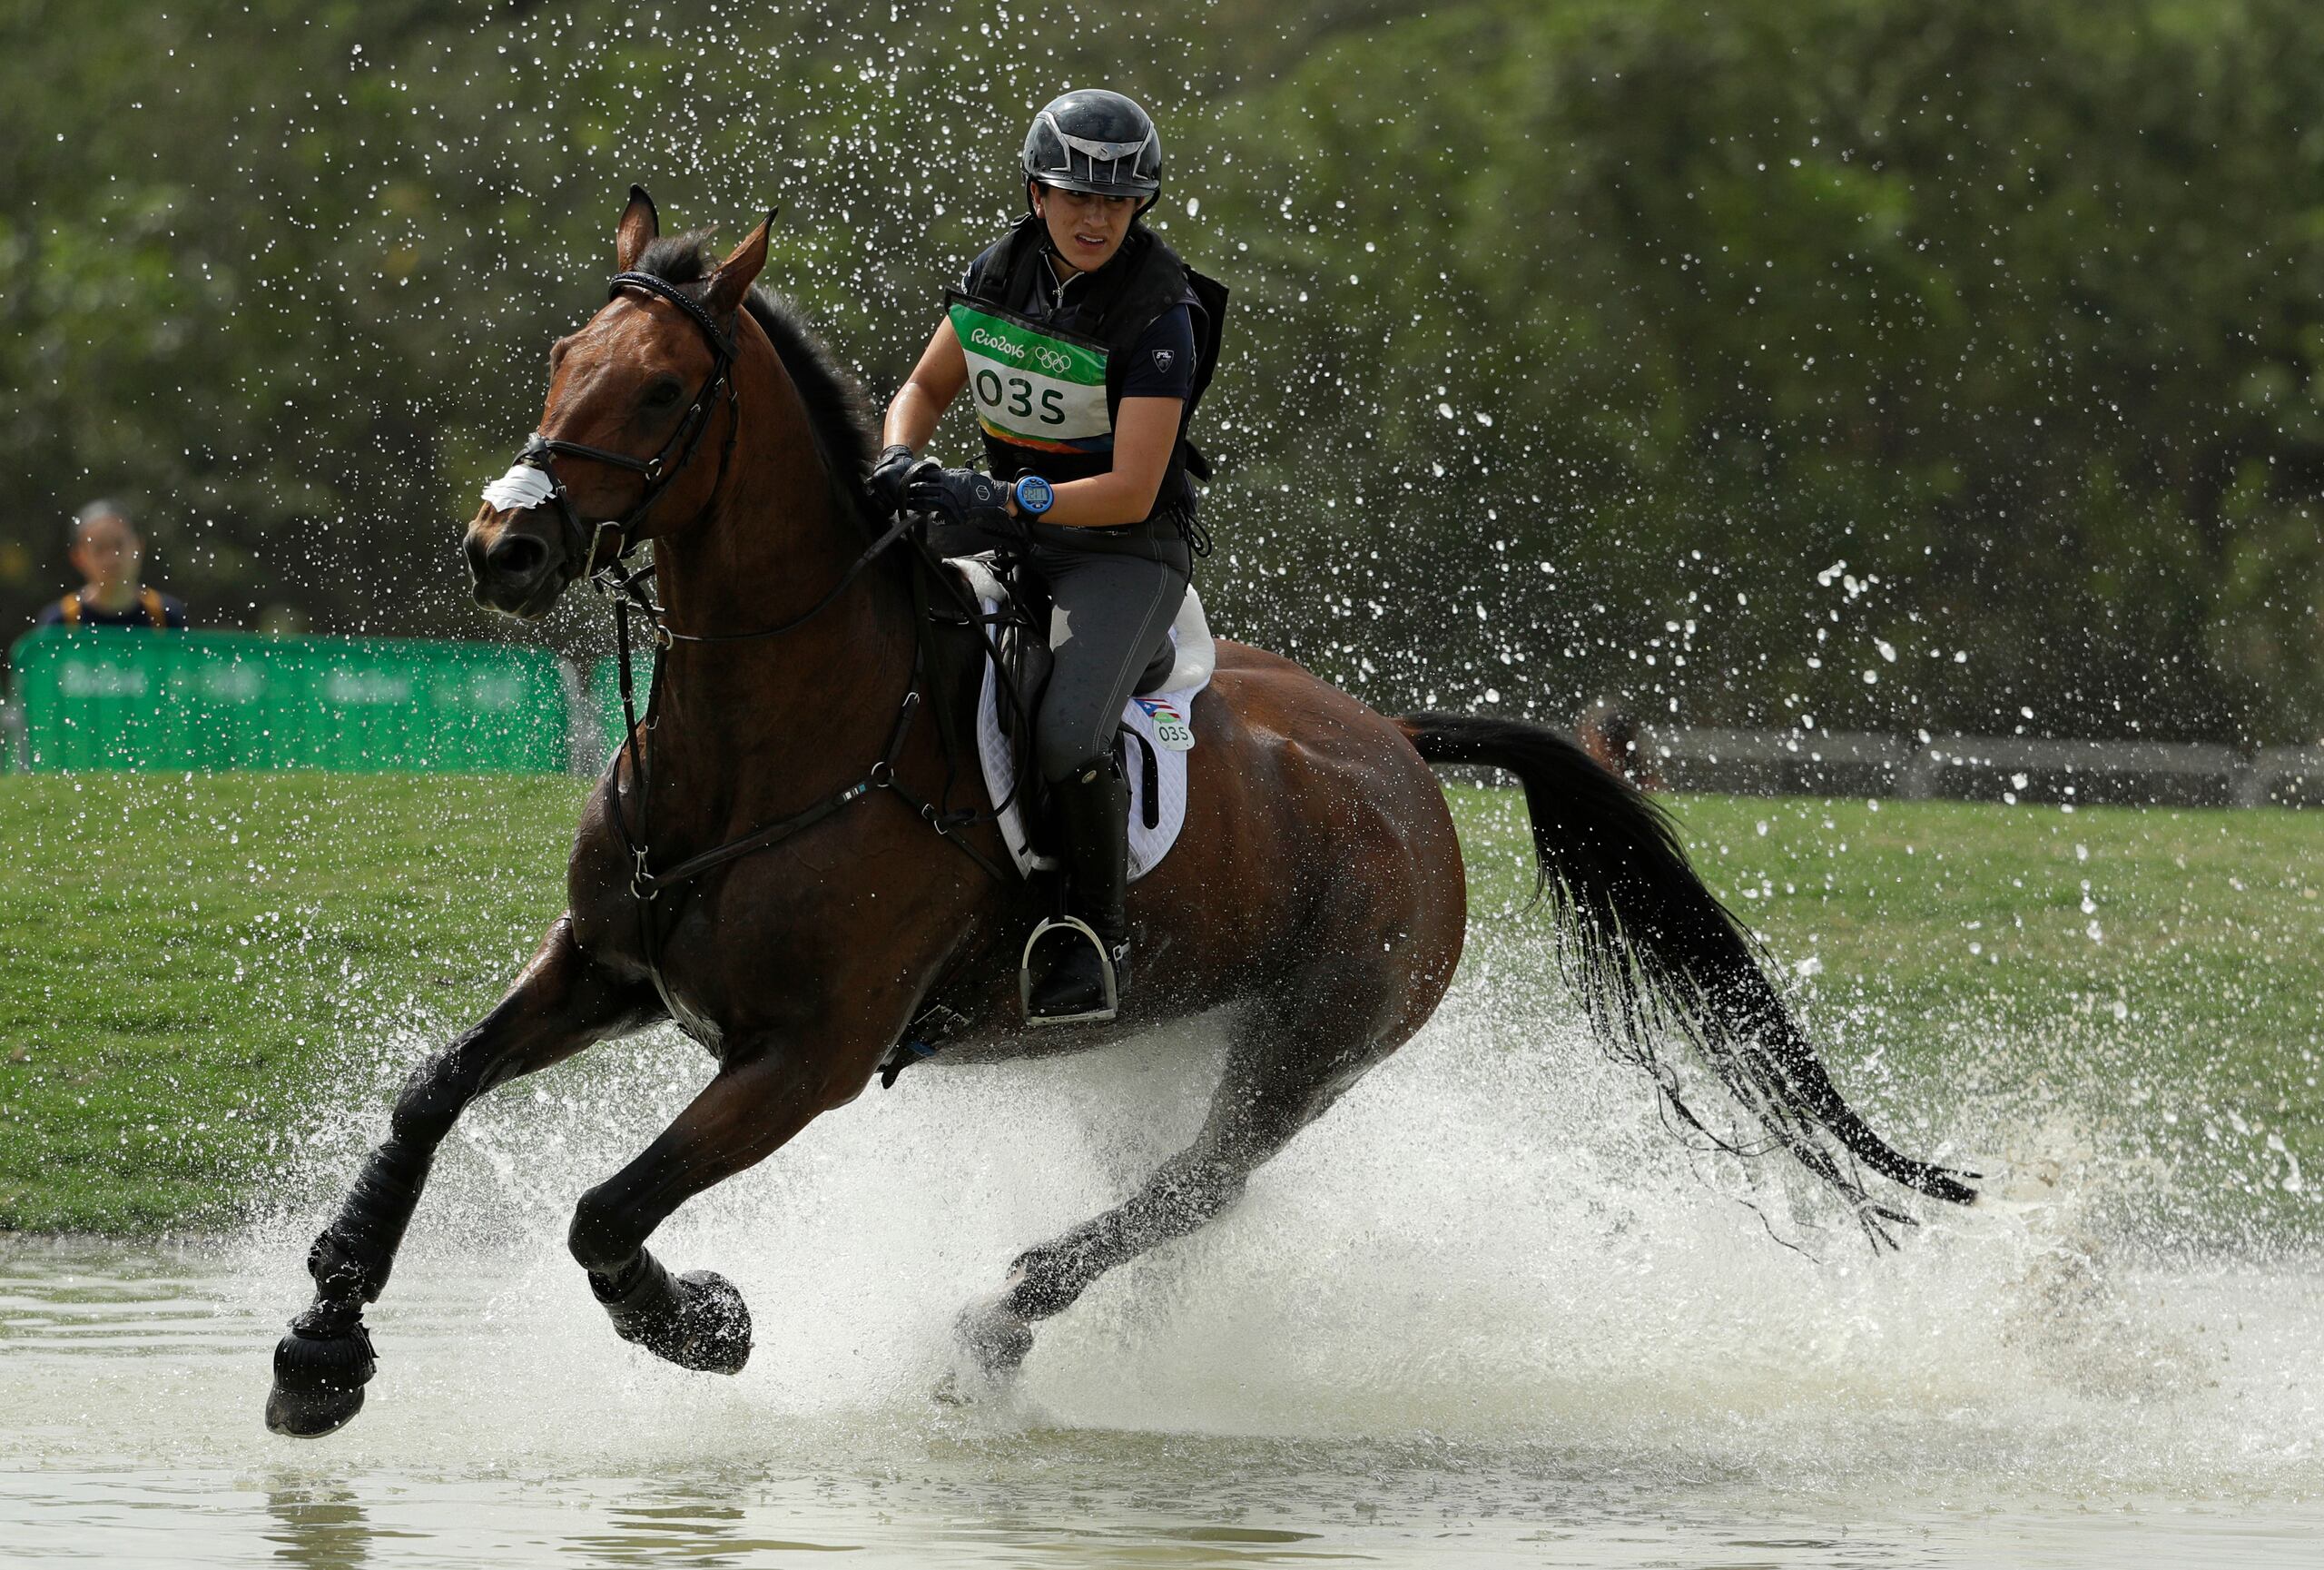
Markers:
<point>1064,748</point>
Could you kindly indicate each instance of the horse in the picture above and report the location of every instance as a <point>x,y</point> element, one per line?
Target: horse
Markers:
<point>773,860</point>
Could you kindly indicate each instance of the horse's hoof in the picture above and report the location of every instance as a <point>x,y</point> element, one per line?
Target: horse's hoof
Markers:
<point>713,1332</point>
<point>319,1382</point>
<point>992,1343</point>
<point>697,1320</point>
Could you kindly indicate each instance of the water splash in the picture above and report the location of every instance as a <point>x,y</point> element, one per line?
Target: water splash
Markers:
<point>1492,1243</point>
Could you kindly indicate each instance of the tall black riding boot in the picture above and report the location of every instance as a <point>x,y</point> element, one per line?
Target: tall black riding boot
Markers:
<point>1069,974</point>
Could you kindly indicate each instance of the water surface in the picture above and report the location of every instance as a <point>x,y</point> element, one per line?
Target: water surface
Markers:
<point>1487,1312</point>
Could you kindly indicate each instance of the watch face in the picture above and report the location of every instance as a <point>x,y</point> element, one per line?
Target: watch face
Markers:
<point>1035,494</point>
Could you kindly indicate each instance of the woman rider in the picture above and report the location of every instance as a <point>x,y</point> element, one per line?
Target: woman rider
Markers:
<point>1085,344</point>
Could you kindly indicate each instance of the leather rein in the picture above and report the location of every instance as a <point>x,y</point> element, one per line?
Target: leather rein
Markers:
<point>626,591</point>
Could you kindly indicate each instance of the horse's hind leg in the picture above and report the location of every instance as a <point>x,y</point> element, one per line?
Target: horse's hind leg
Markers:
<point>754,1106</point>
<point>561,1003</point>
<point>1282,1073</point>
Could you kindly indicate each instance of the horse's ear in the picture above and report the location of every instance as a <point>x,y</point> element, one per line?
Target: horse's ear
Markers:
<point>735,275</point>
<point>640,226</point>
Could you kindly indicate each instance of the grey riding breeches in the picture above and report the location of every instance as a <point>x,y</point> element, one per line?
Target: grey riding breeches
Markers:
<point>1112,601</point>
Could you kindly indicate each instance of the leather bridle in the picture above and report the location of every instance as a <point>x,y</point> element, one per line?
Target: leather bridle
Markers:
<point>582,543</point>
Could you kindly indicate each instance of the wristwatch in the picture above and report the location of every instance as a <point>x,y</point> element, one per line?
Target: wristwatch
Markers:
<point>1035,496</point>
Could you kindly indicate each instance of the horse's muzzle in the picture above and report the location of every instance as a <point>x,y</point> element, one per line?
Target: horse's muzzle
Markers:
<point>516,563</point>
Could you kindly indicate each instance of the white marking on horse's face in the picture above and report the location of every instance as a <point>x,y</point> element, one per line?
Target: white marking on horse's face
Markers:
<point>520,489</point>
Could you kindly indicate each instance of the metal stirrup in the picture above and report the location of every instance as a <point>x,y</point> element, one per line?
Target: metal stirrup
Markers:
<point>1106,966</point>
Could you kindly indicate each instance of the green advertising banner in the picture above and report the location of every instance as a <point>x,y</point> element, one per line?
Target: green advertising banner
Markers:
<point>104,698</point>
<point>605,689</point>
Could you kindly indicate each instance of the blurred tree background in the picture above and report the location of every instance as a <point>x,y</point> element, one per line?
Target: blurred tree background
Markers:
<point>1944,364</point>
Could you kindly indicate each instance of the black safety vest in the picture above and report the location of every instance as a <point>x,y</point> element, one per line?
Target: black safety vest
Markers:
<point>1107,312</point>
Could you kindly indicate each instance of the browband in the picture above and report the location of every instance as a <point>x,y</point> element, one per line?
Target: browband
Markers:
<point>677,297</point>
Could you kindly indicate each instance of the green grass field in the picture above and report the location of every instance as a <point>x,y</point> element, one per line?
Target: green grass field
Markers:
<point>190,963</point>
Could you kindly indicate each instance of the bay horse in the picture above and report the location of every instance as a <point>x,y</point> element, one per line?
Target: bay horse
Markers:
<point>773,863</point>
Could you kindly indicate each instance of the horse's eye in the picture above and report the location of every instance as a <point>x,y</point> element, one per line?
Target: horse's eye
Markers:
<point>664,393</point>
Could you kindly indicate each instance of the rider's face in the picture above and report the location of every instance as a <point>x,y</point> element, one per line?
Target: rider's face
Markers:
<point>1085,230</point>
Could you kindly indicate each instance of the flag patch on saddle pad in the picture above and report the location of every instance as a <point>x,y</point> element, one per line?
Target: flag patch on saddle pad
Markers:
<point>1171,729</point>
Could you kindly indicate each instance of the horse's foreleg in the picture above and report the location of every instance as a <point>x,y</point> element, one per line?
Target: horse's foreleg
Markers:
<point>749,1112</point>
<point>561,1003</point>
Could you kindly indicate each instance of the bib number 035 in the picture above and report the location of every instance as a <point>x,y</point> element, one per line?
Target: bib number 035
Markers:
<point>1015,397</point>
<point>1029,385</point>
<point>1170,726</point>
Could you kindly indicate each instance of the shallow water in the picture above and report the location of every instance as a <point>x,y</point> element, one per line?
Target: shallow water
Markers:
<point>1487,1312</point>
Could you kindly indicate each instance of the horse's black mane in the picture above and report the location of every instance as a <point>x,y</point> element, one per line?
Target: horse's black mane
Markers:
<point>837,409</point>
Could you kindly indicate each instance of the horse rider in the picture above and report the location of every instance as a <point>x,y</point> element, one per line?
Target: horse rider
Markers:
<point>1085,344</point>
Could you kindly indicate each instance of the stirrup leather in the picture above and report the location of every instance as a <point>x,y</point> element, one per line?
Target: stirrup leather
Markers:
<point>1105,962</point>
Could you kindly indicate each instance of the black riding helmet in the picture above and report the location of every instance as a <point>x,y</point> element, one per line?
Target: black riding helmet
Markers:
<point>1098,141</point>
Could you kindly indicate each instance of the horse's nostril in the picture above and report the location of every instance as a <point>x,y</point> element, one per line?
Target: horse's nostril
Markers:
<point>517,556</point>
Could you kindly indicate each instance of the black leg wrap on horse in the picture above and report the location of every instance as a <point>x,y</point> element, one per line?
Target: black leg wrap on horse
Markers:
<point>697,1320</point>
<point>351,1259</point>
<point>995,1339</point>
<point>1046,1281</point>
<point>321,1367</point>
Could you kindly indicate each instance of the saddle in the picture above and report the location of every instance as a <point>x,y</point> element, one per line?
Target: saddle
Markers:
<point>1014,609</point>
<point>1019,613</point>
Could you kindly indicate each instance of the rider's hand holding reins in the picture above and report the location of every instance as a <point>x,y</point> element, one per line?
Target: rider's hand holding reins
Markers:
<point>960,496</point>
<point>890,474</point>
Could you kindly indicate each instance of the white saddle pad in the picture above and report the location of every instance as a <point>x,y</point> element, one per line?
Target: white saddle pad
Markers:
<point>1147,844</point>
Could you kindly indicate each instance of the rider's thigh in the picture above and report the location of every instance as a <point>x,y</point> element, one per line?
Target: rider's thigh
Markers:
<point>1109,620</point>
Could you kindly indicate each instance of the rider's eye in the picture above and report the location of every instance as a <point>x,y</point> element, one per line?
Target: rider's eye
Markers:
<point>663,393</point>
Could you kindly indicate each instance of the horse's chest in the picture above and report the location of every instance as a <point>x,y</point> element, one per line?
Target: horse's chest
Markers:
<point>766,946</point>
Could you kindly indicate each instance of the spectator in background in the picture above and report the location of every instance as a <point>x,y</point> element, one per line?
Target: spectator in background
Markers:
<point>1608,733</point>
<point>107,552</point>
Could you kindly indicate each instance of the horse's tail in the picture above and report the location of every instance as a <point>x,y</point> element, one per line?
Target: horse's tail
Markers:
<point>1658,955</point>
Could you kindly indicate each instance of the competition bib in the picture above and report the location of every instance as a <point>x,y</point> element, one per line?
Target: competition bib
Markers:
<point>1030,386</point>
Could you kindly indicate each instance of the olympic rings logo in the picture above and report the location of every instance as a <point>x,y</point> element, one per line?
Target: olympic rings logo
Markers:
<point>1052,359</point>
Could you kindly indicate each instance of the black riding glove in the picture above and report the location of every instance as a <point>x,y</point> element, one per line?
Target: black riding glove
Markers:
<point>960,496</point>
<point>890,471</point>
